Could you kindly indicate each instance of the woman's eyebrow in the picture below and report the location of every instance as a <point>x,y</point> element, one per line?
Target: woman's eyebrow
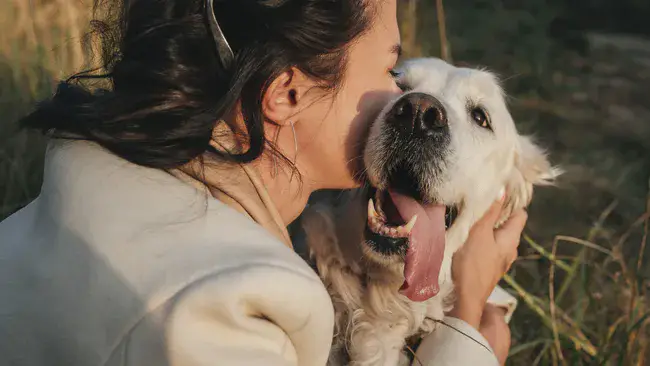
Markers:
<point>396,49</point>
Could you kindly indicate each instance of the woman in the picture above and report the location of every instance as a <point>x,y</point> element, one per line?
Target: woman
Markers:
<point>159,237</point>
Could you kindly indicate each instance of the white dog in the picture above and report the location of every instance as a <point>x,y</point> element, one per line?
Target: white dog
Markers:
<point>437,158</point>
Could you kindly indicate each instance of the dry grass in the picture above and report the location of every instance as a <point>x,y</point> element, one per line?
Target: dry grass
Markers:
<point>44,34</point>
<point>39,43</point>
<point>585,302</point>
<point>595,308</point>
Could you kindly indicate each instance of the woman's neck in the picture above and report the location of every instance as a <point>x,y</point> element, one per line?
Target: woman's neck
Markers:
<point>287,190</point>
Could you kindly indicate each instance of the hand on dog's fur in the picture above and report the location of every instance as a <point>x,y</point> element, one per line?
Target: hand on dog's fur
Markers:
<point>479,265</point>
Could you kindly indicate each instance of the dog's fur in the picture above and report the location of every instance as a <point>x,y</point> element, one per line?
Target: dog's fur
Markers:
<point>373,321</point>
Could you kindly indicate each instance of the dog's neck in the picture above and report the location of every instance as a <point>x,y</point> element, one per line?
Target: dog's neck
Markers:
<point>350,218</point>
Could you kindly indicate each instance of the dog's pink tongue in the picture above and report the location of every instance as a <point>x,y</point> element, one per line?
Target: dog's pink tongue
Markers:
<point>426,247</point>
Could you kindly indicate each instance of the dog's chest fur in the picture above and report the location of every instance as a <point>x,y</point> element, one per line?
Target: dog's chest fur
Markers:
<point>369,312</point>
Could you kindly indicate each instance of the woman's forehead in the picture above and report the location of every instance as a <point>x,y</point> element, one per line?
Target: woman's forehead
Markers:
<point>384,18</point>
<point>383,33</point>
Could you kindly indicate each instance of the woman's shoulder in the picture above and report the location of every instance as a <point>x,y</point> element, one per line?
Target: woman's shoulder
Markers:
<point>107,243</point>
<point>141,222</point>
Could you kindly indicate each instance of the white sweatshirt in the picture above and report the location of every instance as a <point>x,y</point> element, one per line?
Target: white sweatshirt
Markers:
<point>116,264</point>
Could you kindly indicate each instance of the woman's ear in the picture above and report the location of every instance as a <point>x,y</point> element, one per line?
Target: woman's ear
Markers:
<point>282,99</point>
<point>531,168</point>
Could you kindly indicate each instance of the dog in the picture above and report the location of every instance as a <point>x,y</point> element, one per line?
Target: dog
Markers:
<point>436,158</point>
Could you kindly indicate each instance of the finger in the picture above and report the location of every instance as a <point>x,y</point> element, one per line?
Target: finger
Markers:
<point>513,258</point>
<point>492,310</point>
<point>510,232</point>
<point>510,260</point>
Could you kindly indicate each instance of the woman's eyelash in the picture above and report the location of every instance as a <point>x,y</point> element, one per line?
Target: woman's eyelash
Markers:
<point>396,75</point>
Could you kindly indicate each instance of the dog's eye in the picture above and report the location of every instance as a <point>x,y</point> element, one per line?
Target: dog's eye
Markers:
<point>480,117</point>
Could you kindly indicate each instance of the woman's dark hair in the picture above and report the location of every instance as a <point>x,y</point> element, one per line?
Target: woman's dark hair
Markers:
<point>167,88</point>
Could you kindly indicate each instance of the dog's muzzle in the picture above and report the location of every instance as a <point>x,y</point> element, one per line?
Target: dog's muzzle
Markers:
<point>419,116</point>
<point>405,217</point>
<point>421,127</point>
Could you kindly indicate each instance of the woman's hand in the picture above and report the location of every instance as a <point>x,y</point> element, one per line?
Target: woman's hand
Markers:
<point>496,331</point>
<point>478,266</point>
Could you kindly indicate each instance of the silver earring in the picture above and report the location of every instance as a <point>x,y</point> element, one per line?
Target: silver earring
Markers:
<point>295,151</point>
<point>274,173</point>
<point>295,143</point>
<point>275,143</point>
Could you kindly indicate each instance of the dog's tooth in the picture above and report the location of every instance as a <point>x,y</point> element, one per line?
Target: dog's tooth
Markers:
<point>378,226</point>
<point>384,230</point>
<point>409,226</point>
<point>393,232</point>
<point>378,209</point>
<point>371,209</point>
<point>374,224</point>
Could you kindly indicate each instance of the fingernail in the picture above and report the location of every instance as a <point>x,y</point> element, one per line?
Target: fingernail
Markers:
<point>502,194</point>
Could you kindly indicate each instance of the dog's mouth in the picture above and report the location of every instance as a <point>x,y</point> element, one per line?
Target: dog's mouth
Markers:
<point>399,224</point>
<point>384,219</point>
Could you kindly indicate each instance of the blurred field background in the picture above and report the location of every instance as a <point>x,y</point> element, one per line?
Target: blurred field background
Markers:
<point>578,76</point>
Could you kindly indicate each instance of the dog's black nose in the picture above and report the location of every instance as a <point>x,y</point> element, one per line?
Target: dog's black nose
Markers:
<point>419,113</point>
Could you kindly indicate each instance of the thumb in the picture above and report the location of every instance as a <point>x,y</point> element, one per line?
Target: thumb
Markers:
<point>510,231</point>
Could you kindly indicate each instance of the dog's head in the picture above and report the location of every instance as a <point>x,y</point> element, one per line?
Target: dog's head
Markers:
<point>438,156</point>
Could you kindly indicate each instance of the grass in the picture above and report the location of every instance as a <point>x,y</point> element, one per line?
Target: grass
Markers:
<point>583,333</point>
<point>39,43</point>
<point>583,293</point>
<point>586,301</point>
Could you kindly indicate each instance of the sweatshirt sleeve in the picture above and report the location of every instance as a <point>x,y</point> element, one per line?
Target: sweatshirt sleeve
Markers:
<point>455,343</point>
<point>256,314</point>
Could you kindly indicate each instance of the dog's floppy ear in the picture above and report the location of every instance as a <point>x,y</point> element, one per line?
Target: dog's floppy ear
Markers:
<point>531,167</point>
